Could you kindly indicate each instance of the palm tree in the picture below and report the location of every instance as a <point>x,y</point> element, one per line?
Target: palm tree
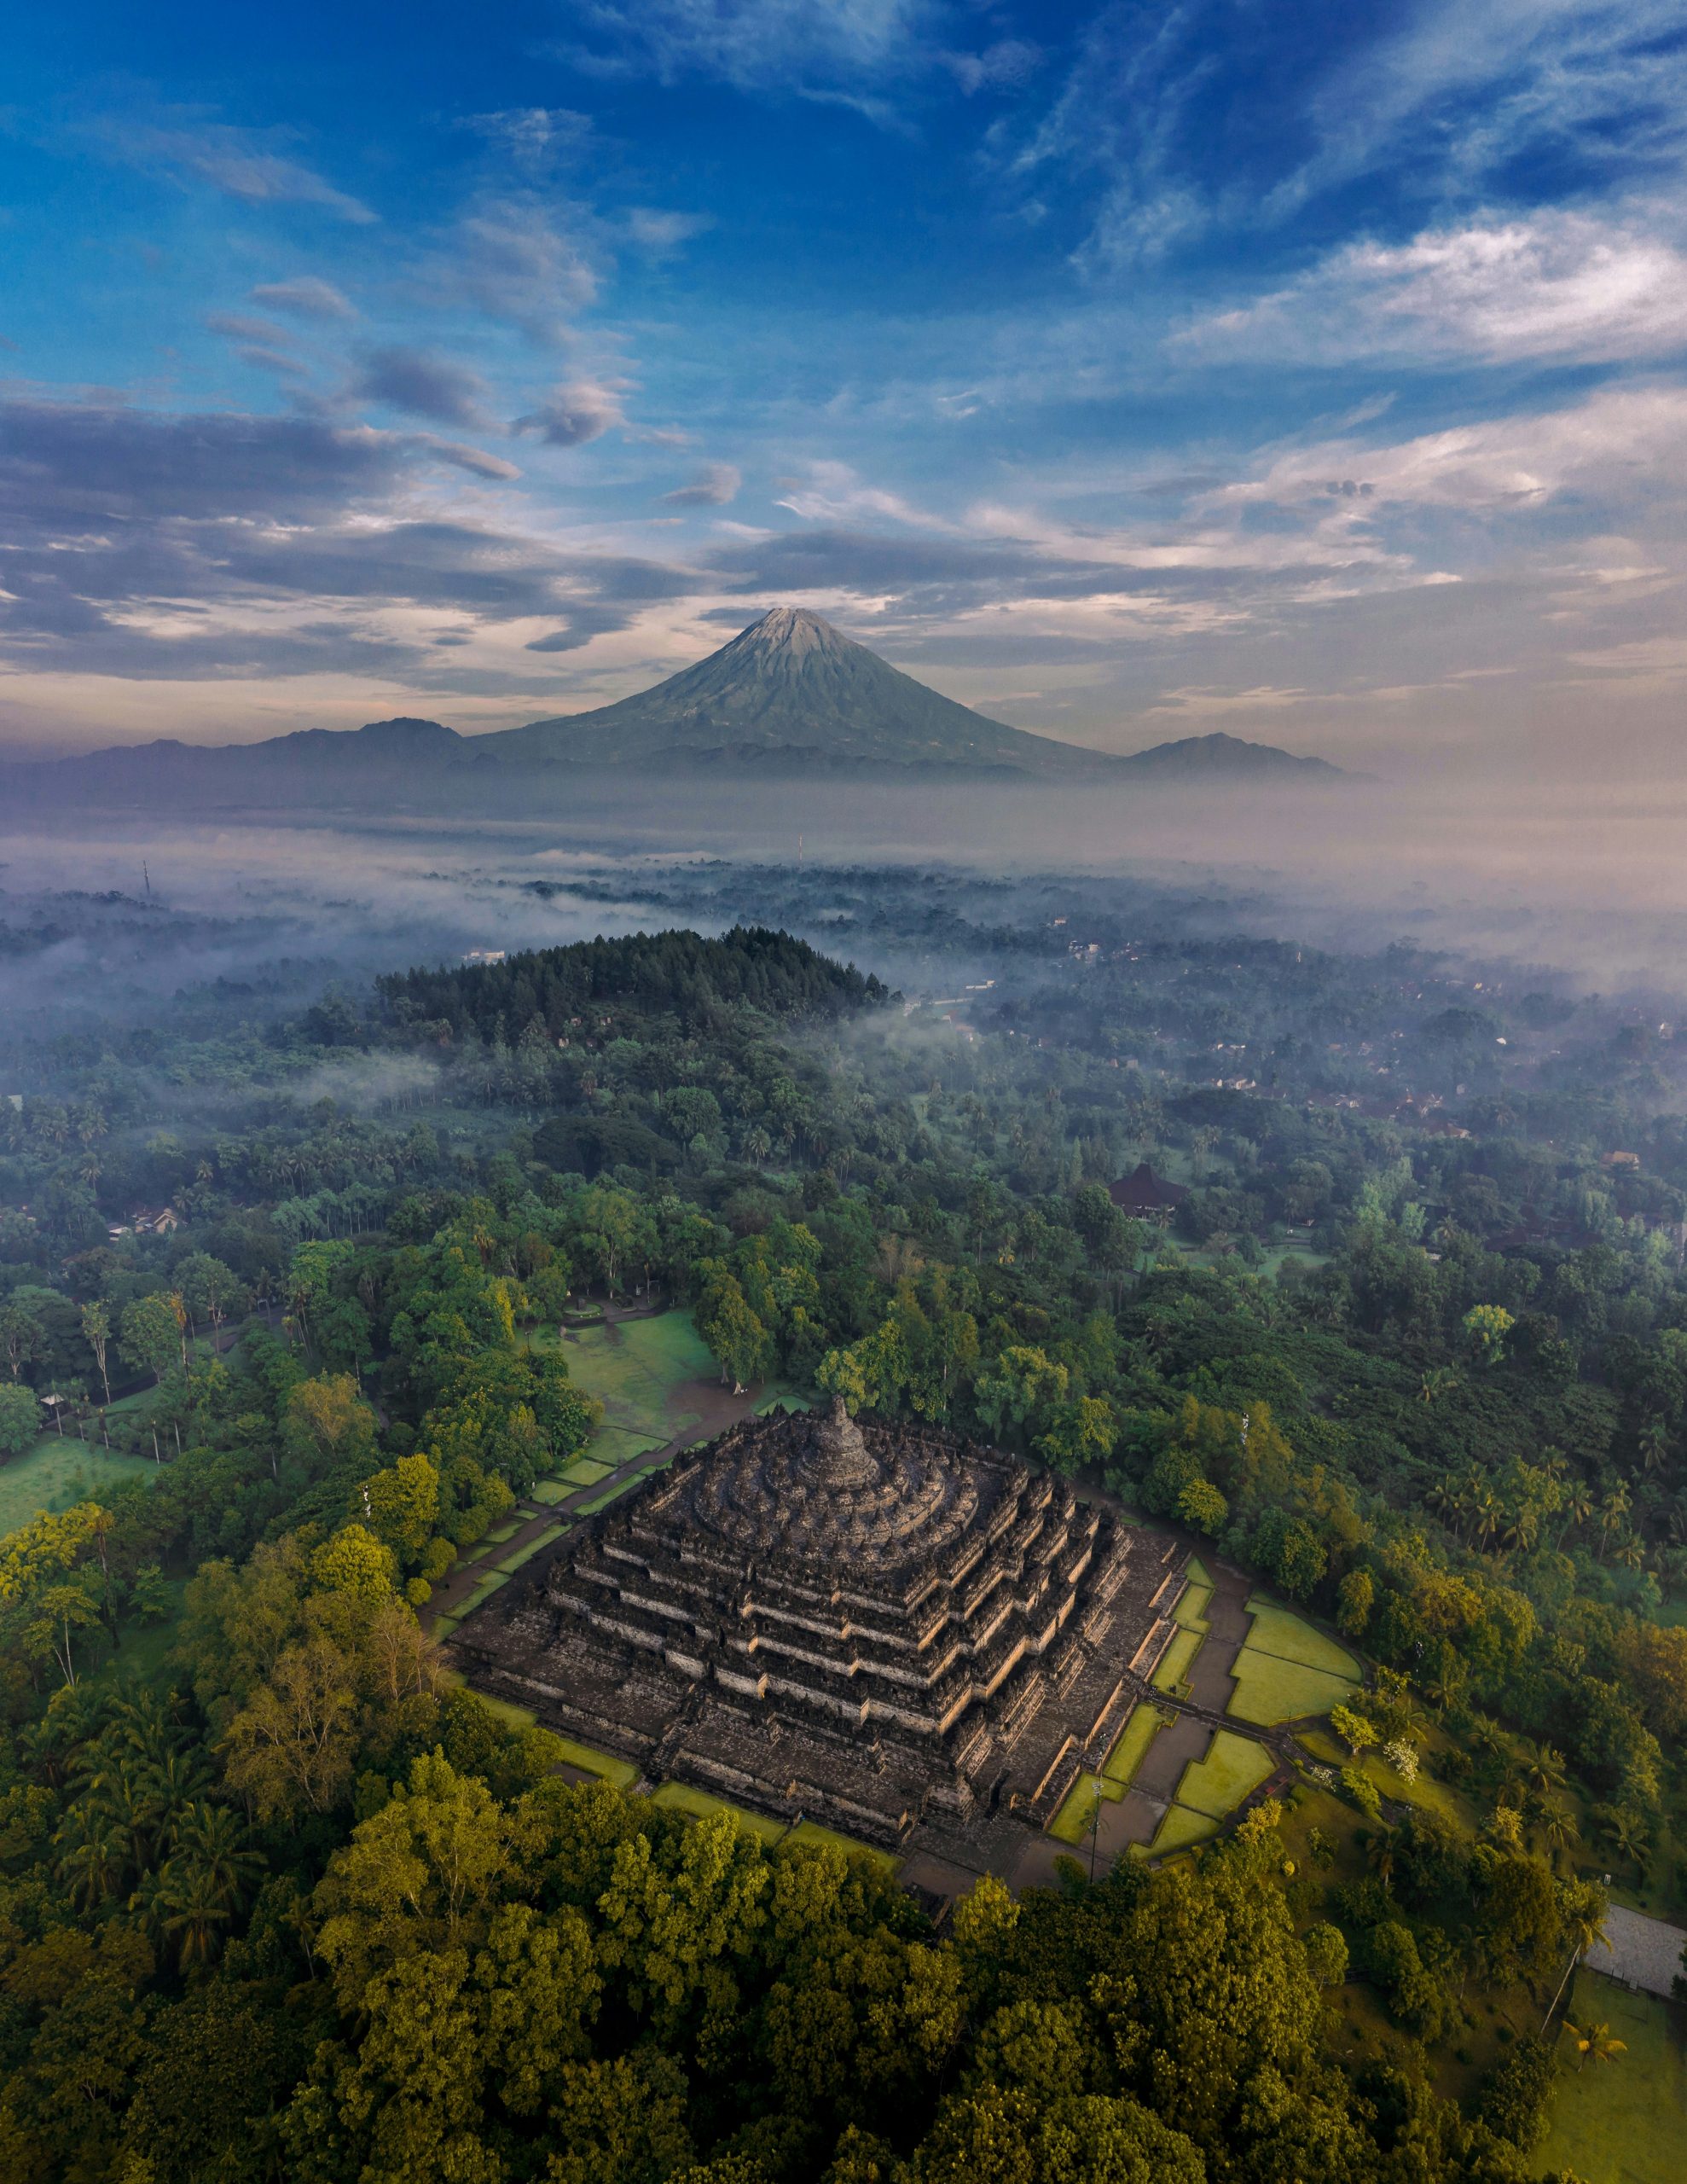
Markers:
<point>93,1857</point>
<point>1557,1824</point>
<point>1382,1852</point>
<point>1654,1446</point>
<point>1578,1508</point>
<point>1541,1766</point>
<point>1594,2042</point>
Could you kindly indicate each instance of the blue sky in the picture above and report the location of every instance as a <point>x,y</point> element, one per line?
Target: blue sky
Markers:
<point>1129,371</point>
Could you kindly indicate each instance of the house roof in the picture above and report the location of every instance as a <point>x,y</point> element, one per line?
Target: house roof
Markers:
<point>1144,1192</point>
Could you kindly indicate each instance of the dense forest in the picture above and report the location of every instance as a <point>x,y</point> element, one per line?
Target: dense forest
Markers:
<point>278,1898</point>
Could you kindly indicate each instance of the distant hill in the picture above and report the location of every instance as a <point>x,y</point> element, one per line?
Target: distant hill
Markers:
<point>1228,757</point>
<point>790,694</point>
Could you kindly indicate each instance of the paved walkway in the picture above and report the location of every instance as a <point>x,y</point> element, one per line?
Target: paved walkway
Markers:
<point>1640,1951</point>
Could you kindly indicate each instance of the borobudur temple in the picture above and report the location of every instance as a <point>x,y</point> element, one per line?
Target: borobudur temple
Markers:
<point>909,1636</point>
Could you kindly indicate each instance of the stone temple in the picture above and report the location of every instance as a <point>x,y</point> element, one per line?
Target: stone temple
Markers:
<point>913,1639</point>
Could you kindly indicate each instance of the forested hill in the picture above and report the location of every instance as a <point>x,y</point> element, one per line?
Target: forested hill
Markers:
<point>673,972</point>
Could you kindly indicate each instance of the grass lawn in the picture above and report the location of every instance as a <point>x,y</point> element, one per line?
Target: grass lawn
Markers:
<point>585,1471</point>
<point>483,1591</point>
<point>810,1831</point>
<point>1269,1689</point>
<point>1175,1664</point>
<point>549,1492</point>
<point>1195,1598</point>
<point>58,1470</point>
<point>1131,1749</point>
<point>637,1369</point>
<point>702,1804</point>
<point>602,1501</point>
<point>612,1446</point>
<point>500,1533</point>
<point>1180,1828</point>
<point>531,1547</point>
<point>1216,1784</point>
<point>1280,1632</point>
<point>1624,2121</point>
<point>1072,1824</point>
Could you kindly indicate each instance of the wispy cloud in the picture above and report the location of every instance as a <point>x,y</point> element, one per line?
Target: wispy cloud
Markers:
<point>713,487</point>
<point>1556,285</point>
<point>306,297</point>
<point>255,166</point>
<point>778,45</point>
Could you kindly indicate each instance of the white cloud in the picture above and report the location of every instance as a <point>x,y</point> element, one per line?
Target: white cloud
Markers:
<point>1557,284</point>
<point>1614,444</point>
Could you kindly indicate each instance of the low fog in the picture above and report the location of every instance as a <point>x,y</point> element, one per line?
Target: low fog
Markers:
<point>1594,886</point>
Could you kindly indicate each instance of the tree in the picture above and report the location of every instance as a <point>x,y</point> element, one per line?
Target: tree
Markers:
<point>1355,1729</point>
<point>1356,1596</point>
<point>20,1420</point>
<point>401,1506</point>
<point>355,1561</point>
<point>210,1289</point>
<point>1594,2043</point>
<point>1202,1507</point>
<point>1486,1327</point>
<point>96,1332</point>
<point>22,1334</point>
<point>153,1333</point>
<point>1326,1951</point>
<point>734,1333</point>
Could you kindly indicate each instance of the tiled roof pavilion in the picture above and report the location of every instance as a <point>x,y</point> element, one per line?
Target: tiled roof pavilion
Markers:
<point>912,1638</point>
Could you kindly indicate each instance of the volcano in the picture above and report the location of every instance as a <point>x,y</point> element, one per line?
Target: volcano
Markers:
<point>790,693</point>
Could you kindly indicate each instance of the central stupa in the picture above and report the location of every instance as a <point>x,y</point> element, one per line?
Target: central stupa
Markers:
<point>880,1626</point>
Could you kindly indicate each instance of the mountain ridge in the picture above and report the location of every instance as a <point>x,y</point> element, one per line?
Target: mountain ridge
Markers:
<point>788,695</point>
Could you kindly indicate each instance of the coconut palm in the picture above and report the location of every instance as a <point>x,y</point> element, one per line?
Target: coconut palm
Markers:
<point>1593,2043</point>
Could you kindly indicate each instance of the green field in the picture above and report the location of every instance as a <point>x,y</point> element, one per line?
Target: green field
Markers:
<point>59,1471</point>
<point>602,1501</point>
<point>1131,1749</point>
<point>1072,1824</point>
<point>1287,1669</point>
<point>635,1370</point>
<point>531,1547</point>
<point>1195,1598</point>
<point>702,1804</point>
<point>1232,1767</point>
<point>1623,2121</point>
<point>1269,1690</point>
<point>1280,1632</point>
<point>585,1471</point>
<point>1178,1657</point>
<point>1180,1828</point>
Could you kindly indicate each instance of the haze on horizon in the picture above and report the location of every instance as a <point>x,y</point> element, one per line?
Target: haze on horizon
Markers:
<point>1314,375</point>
